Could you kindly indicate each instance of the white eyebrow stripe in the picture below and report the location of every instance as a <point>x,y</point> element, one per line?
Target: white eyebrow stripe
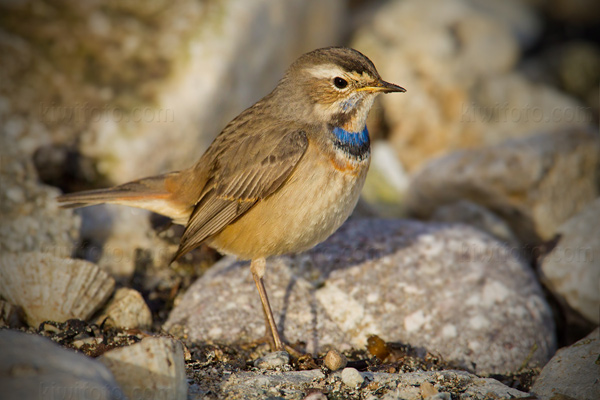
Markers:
<point>326,71</point>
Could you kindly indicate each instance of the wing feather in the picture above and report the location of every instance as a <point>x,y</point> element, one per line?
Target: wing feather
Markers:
<point>245,172</point>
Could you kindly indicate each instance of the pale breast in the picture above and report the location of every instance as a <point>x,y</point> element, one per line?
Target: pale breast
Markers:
<point>317,198</point>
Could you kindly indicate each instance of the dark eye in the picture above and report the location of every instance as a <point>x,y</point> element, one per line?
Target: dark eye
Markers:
<point>340,83</point>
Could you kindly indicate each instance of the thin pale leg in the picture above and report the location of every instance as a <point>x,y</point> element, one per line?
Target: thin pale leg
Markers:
<point>257,267</point>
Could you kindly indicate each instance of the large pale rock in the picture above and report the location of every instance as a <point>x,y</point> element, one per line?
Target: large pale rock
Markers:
<point>572,268</point>
<point>450,289</point>
<point>152,369</point>
<point>33,367</point>
<point>135,81</point>
<point>114,235</point>
<point>456,59</point>
<point>572,373</point>
<point>405,386</point>
<point>464,211</point>
<point>31,219</point>
<point>535,183</point>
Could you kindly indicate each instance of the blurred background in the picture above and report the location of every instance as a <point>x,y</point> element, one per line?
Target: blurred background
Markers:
<point>498,128</point>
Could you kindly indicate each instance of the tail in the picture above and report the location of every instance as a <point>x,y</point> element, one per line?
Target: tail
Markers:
<point>157,194</point>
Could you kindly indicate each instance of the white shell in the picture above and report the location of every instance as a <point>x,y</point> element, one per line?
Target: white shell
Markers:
<point>126,309</point>
<point>50,288</point>
<point>151,369</point>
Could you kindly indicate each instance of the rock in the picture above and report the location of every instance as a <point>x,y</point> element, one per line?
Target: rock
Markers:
<point>264,384</point>
<point>534,184</point>
<point>315,396</point>
<point>579,69</point>
<point>352,378</point>
<point>126,309</point>
<point>10,315</point>
<point>273,360</point>
<point>457,63</point>
<point>577,13</point>
<point>126,78</point>
<point>115,234</point>
<point>511,106</point>
<point>572,373</point>
<point>151,369</point>
<point>475,215</point>
<point>440,396</point>
<point>518,17</point>
<point>387,386</point>
<point>335,360</point>
<point>32,366</point>
<point>428,390</point>
<point>50,288</point>
<point>450,289</point>
<point>572,269</point>
<point>386,183</point>
<point>31,219</point>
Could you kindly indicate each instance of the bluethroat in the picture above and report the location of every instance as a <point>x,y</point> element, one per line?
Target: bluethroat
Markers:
<point>281,177</point>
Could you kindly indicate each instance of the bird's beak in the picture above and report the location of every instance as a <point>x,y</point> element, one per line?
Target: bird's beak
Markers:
<point>382,87</point>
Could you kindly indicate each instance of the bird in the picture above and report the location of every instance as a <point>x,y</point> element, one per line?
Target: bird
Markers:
<point>280,178</point>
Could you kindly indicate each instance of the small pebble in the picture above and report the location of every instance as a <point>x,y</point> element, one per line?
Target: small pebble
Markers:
<point>273,360</point>
<point>351,377</point>
<point>315,396</point>
<point>428,390</point>
<point>335,360</point>
<point>440,396</point>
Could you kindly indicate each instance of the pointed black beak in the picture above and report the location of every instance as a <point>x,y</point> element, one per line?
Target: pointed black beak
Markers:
<point>382,86</point>
<point>387,87</point>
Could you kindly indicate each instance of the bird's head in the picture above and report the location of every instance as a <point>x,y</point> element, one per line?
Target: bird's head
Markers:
<point>335,85</point>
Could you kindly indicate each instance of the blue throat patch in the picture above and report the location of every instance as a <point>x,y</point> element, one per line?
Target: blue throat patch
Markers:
<point>356,144</point>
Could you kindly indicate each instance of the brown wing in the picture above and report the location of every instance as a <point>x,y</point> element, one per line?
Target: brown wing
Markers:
<point>245,172</point>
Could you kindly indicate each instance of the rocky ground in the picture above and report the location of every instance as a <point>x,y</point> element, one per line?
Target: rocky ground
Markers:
<point>469,270</point>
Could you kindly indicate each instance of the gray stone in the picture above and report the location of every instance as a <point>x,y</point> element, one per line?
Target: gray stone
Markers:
<point>298,385</point>
<point>33,367</point>
<point>273,360</point>
<point>335,360</point>
<point>520,19</point>
<point>351,377</point>
<point>478,216</point>
<point>450,289</point>
<point>573,373</point>
<point>440,396</point>
<point>126,309</point>
<point>260,385</point>
<point>386,184</point>
<point>152,369</point>
<point>31,219</point>
<point>163,76</point>
<point>458,66</point>
<point>114,235</point>
<point>572,269</point>
<point>534,184</point>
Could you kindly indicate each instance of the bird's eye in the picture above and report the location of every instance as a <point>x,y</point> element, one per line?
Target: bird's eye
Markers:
<point>340,83</point>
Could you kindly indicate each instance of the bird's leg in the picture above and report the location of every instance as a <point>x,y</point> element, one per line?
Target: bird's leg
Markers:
<point>257,267</point>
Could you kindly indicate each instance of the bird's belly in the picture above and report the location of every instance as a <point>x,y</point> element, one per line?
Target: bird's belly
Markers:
<point>308,208</point>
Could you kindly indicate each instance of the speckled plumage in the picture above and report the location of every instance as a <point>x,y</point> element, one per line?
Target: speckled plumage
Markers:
<point>282,176</point>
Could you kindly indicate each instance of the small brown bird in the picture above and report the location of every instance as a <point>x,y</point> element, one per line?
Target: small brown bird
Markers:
<point>281,177</point>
